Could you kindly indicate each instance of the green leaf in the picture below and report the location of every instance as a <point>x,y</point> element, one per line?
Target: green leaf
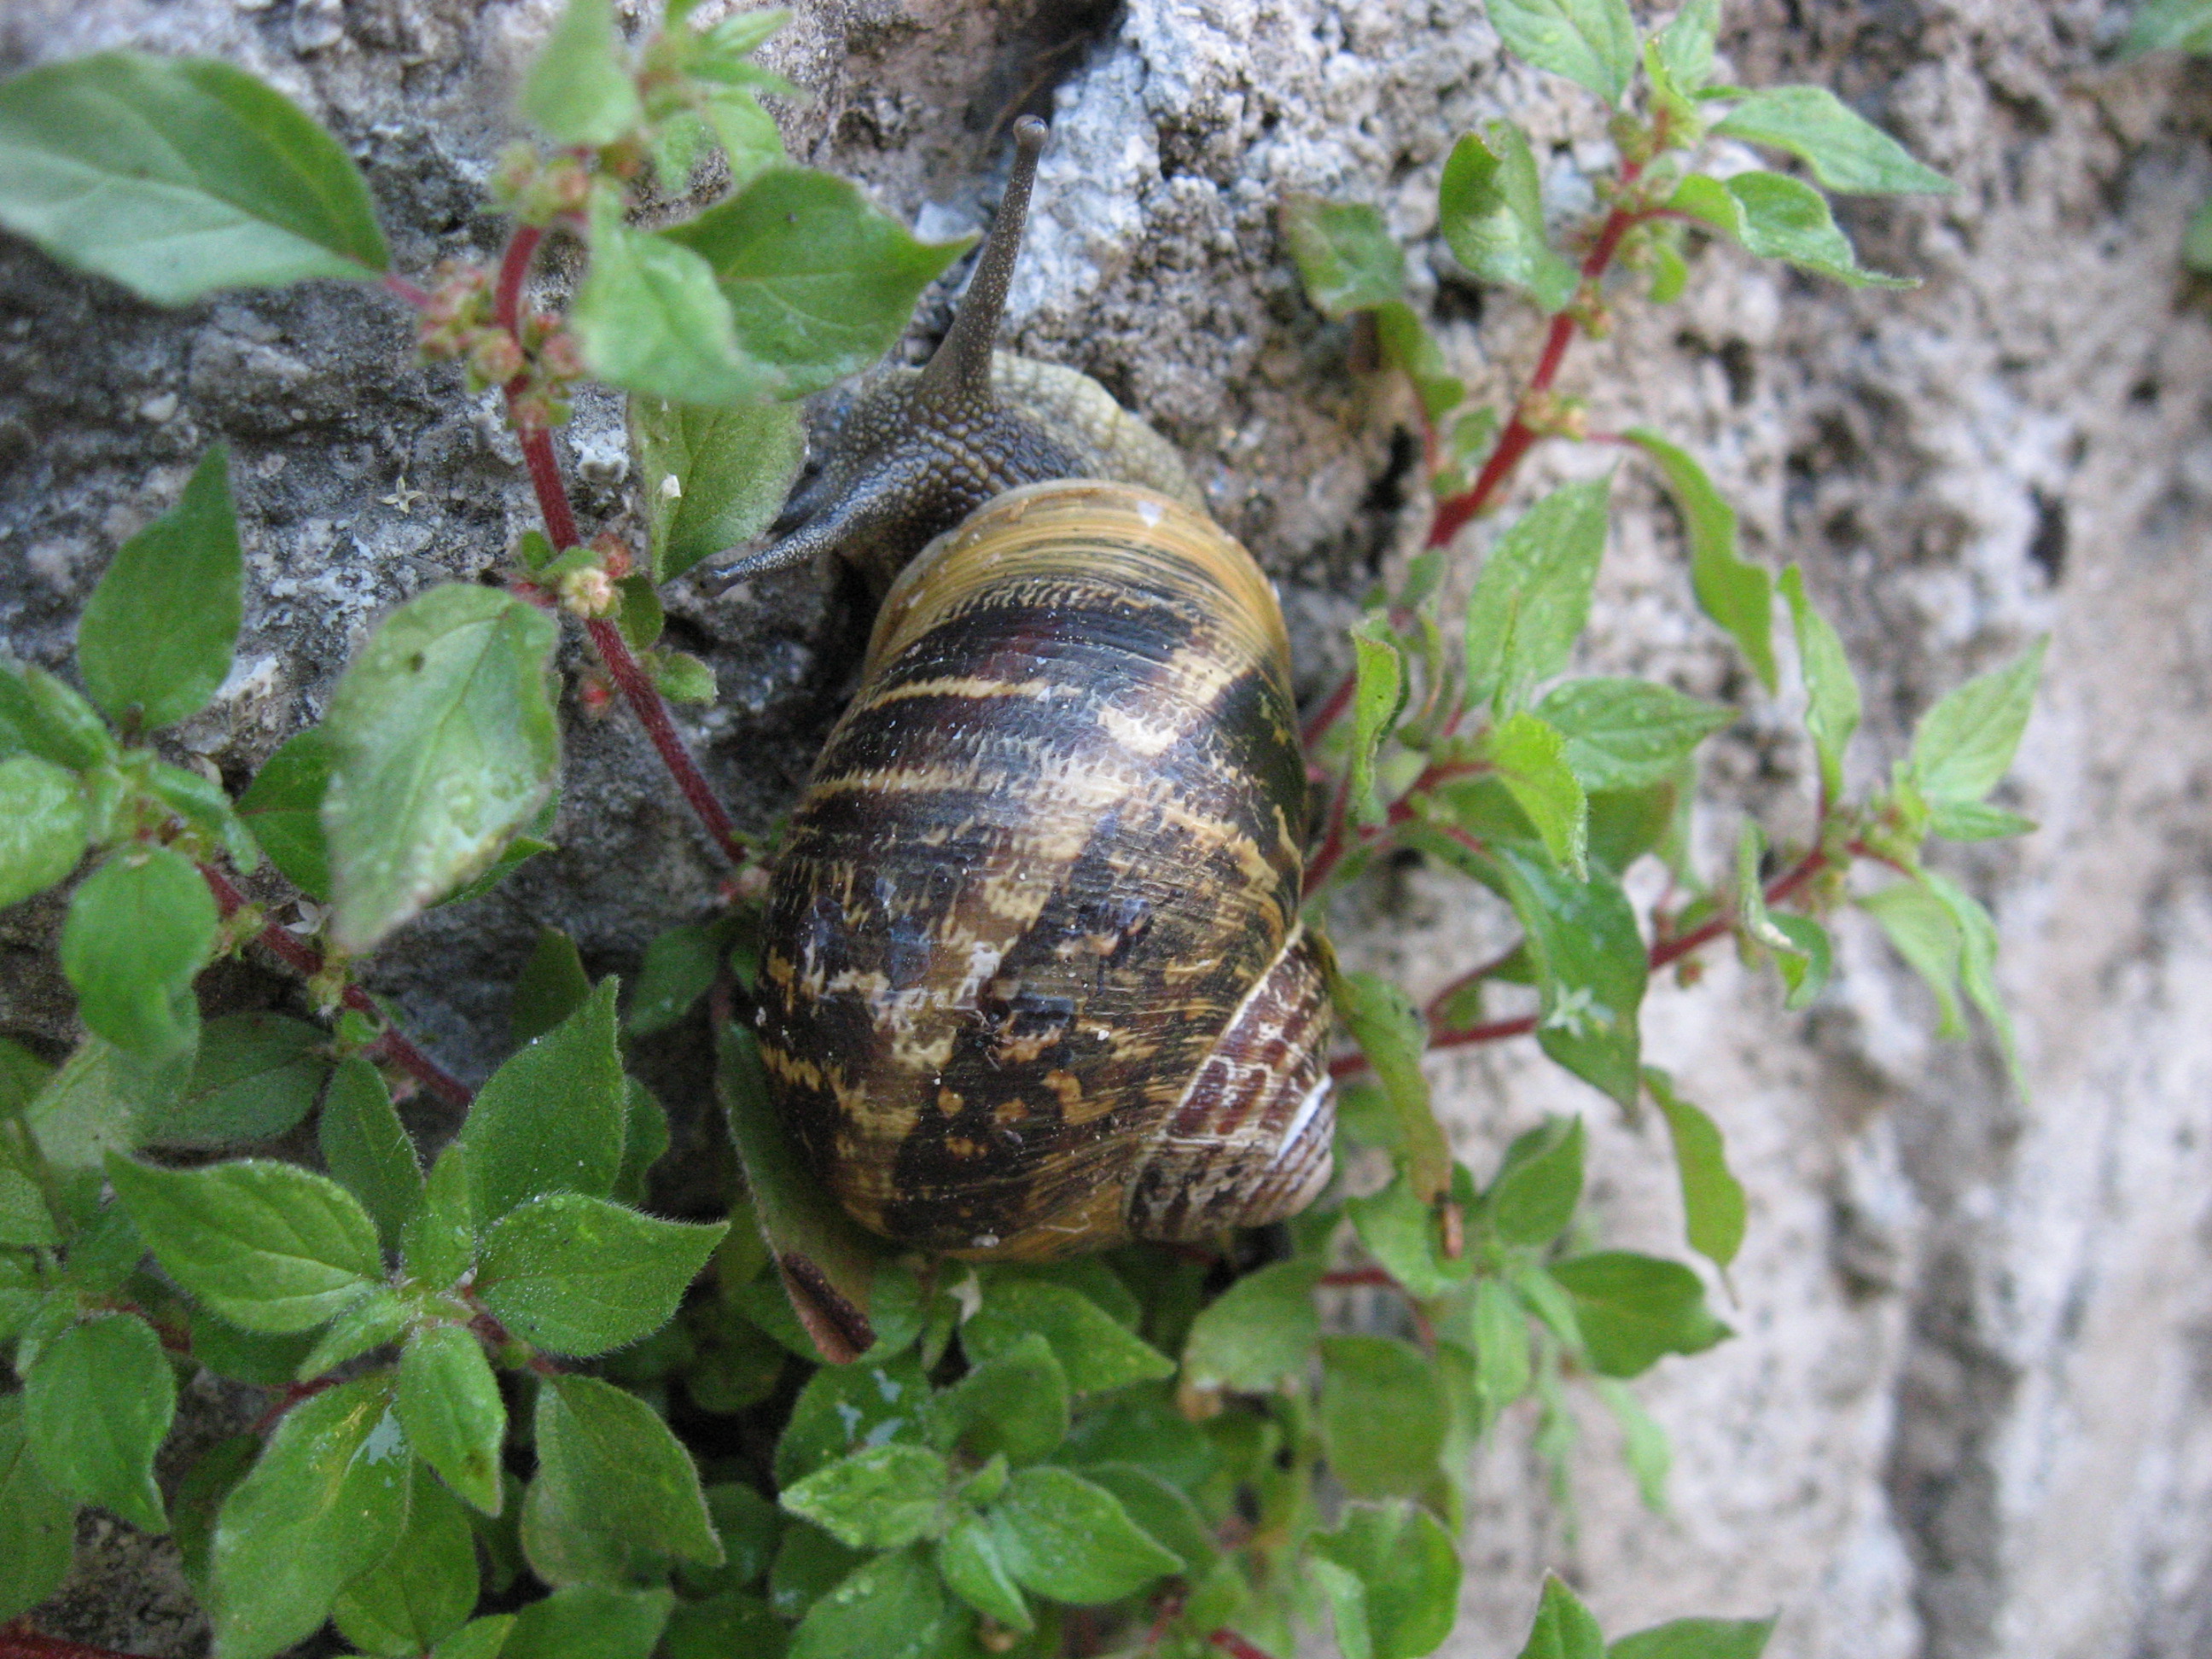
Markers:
<point>712,479</point>
<point>374,1322</point>
<point>1774,217</point>
<point>1644,1443</point>
<point>177,176</point>
<point>254,1076</point>
<point>843,1408</point>
<point>820,283</point>
<point>39,715</point>
<point>1697,1638</point>
<point>1805,966</point>
<point>645,1141</point>
<point>442,743</point>
<point>326,1501</point>
<point>651,318</point>
<point>1564,1628</point>
<point>1972,820</point>
<point>551,985</point>
<point>425,1589</point>
<point>138,930</point>
<point>200,1494</point>
<point>38,1525</point>
<point>1094,1352</point>
<point>1632,1309</point>
<point>268,1246</point>
<point>1378,698</point>
<point>1533,594</point>
<point>1714,1210</point>
<point>266,1361</point>
<point>1408,1573</point>
<point>204,805</point>
<point>284,808</point>
<point>1832,690</point>
<point>1978,960</point>
<point>550,1119</point>
<point>580,89</point>
<point>1069,1539</point>
<point>968,1559</point>
<point>366,1148</point>
<point>1346,253</point>
<point>579,1275</point>
<point>24,1220</point>
<point>1845,151</point>
<point>1391,1033</point>
<point>1964,746</point>
<point>1160,1510</point>
<point>1405,1237</point>
<point>438,1243</point>
<point>1262,1329</point>
<point>680,968</point>
<point>1591,42</point>
<point>1014,1403</point>
<point>799,1219</point>
<point>2169,26</point>
<point>1381,1415</point>
<point>1926,934</point>
<point>616,1494</point>
<point>587,1621</point>
<point>1736,594</point>
<point>893,1608</point>
<point>881,1498</point>
<point>732,1623</point>
<point>1538,1183</point>
<point>156,637</point>
<point>1592,968</point>
<point>1628,734</point>
<point>43,827</point>
<point>1491,211</point>
<point>746,132</point>
<point>1409,347</point>
<point>22,1074</point>
<point>748,1525</point>
<point>1530,756</point>
<point>97,1402</point>
<point>480,1639</point>
<point>449,1404</point>
<point>1686,44</point>
<point>1503,1367</point>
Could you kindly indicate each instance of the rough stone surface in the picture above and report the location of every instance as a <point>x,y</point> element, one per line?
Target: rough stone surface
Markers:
<point>1968,1411</point>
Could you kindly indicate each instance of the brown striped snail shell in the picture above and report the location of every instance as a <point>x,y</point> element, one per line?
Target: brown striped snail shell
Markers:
<point>1034,979</point>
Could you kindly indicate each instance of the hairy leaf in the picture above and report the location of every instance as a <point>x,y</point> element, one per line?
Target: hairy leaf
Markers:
<point>157,634</point>
<point>1491,213</point>
<point>178,176</point>
<point>442,744</point>
<point>1845,151</point>
<point>713,478</point>
<point>1346,253</point>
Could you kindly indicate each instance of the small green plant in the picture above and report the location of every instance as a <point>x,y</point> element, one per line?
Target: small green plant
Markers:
<point>492,1373</point>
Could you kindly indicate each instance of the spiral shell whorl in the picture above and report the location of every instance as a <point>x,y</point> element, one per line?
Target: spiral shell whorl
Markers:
<point>1046,857</point>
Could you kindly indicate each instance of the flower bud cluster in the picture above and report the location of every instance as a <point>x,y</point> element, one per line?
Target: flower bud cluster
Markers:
<point>540,189</point>
<point>537,361</point>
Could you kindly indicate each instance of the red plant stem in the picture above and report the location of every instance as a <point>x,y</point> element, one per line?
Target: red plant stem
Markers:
<point>1348,1278</point>
<point>395,283</point>
<point>305,961</point>
<point>632,681</point>
<point>19,1641</point>
<point>1236,1646</point>
<point>1663,953</point>
<point>1519,436</point>
<point>1672,950</point>
<point>622,667</point>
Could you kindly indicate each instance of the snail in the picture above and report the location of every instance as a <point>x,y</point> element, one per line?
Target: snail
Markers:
<point>1034,980</point>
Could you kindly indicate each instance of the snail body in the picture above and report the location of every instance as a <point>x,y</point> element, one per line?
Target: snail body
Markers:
<point>1034,979</point>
